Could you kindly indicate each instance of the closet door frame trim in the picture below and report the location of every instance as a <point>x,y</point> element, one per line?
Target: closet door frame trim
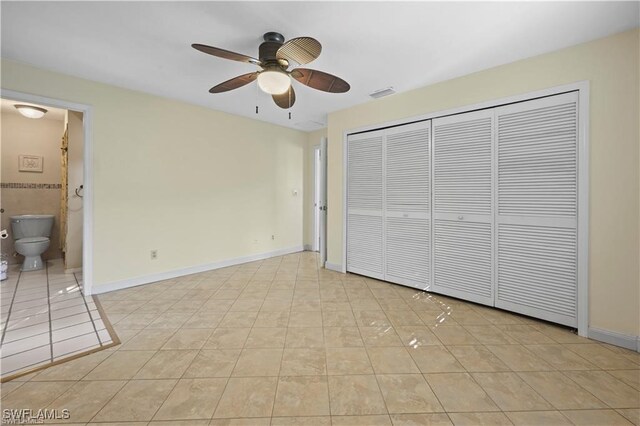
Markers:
<point>582,87</point>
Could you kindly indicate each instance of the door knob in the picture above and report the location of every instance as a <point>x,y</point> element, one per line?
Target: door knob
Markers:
<point>460,217</point>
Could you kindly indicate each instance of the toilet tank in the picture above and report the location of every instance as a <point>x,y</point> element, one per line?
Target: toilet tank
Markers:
<point>31,225</point>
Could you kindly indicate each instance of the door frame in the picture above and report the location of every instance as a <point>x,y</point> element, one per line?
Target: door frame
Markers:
<point>87,200</point>
<point>317,203</point>
<point>324,149</point>
<point>583,89</point>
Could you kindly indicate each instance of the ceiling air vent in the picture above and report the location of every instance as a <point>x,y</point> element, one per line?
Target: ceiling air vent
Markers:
<point>310,125</point>
<point>382,93</point>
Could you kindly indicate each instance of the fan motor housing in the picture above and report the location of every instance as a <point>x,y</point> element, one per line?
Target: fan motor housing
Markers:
<point>269,48</point>
<point>273,36</point>
<point>267,51</point>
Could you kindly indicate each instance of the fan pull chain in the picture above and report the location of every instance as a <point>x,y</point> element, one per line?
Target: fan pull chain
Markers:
<point>257,111</point>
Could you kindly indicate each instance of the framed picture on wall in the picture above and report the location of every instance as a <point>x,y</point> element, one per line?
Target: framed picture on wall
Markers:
<point>30,163</point>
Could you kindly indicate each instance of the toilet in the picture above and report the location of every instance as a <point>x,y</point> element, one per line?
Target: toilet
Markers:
<point>31,234</point>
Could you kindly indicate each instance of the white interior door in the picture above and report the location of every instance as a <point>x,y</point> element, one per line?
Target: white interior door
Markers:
<point>322,199</point>
<point>537,175</point>
<point>365,194</point>
<point>463,206</point>
<point>407,204</point>
<point>317,205</point>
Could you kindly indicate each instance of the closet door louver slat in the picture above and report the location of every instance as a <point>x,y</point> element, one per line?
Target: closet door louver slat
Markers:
<point>463,206</point>
<point>537,187</point>
<point>407,205</point>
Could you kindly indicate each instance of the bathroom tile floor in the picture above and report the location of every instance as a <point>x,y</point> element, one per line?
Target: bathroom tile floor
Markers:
<point>284,342</point>
<point>45,318</point>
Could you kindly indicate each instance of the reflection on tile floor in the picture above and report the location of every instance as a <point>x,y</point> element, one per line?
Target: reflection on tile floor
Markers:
<point>45,318</point>
<point>283,342</point>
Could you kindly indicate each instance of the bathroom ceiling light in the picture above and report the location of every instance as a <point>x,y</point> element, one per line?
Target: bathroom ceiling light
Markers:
<point>31,111</point>
<point>274,82</point>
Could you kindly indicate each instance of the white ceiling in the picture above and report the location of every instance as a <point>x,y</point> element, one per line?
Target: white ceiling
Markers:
<point>7,107</point>
<point>146,45</point>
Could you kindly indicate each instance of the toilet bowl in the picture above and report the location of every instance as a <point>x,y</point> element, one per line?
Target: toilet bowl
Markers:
<point>31,235</point>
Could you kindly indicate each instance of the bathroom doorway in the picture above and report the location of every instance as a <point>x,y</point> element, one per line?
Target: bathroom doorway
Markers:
<point>52,177</point>
<point>41,186</point>
<point>48,312</point>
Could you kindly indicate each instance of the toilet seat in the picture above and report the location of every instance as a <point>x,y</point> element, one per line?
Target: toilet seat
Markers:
<point>30,240</point>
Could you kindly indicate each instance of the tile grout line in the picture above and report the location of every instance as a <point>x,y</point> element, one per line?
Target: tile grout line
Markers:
<point>44,332</point>
<point>284,344</point>
<point>127,381</point>
<point>46,268</point>
<point>375,376</point>
<point>15,291</point>
<point>42,322</point>
<point>326,355</point>
<point>238,359</point>
<point>89,311</point>
<point>517,374</point>
<point>80,287</point>
<point>465,369</point>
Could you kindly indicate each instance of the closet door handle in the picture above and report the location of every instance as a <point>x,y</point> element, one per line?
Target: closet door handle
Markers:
<point>460,217</point>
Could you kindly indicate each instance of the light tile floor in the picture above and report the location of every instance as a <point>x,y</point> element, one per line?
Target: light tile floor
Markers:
<point>44,318</point>
<point>283,342</point>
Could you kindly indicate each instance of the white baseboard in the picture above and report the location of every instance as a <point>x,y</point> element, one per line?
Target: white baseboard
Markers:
<point>308,247</point>
<point>132,282</point>
<point>333,266</point>
<point>617,339</point>
<point>72,270</point>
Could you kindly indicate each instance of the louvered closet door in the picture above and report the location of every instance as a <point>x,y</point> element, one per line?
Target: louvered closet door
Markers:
<point>537,208</point>
<point>462,206</point>
<point>407,205</point>
<point>365,182</point>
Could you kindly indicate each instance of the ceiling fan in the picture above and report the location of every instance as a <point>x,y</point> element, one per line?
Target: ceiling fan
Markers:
<point>275,57</point>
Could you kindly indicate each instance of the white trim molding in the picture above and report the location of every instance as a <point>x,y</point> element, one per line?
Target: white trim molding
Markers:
<point>146,279</point>
<point>308,247</point>
<point>616,339</point>
<point>87,200</point>
<point>334,267</point>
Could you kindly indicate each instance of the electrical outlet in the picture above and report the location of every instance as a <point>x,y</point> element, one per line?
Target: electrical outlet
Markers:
<point>273,237</point>
<point>154,254</point>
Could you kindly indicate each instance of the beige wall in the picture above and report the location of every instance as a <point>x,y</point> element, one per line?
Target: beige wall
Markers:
<point>313,140</point>
<point>198,185</point>
<point>611,67</point>
<point>73,253</point>
<point>42,137</point>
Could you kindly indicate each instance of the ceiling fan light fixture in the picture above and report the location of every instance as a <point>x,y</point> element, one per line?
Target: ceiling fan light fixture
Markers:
<point>274,82</point>
<point>30,111</point>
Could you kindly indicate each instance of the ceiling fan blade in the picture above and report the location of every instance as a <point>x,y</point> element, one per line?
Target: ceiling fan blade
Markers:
<point>301,50</point>
<point>320,80</point>
<point>226,54</point>
<point>234,83</point>
<point>286,99</point>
